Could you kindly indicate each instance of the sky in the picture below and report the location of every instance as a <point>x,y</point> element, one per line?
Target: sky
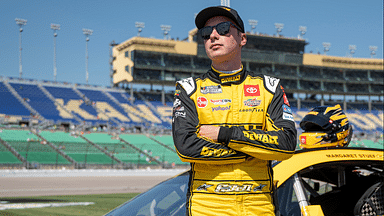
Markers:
<point>339,22</point>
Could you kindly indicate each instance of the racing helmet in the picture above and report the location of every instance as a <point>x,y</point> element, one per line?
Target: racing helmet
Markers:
<point>325,126</point>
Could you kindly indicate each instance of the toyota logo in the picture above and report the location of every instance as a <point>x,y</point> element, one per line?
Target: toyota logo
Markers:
<point>251,90</point>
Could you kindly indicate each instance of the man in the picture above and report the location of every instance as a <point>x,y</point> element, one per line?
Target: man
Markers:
<point>230,124</point>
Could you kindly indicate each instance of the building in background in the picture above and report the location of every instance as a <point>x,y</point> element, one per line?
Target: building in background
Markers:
<point>309,79</point>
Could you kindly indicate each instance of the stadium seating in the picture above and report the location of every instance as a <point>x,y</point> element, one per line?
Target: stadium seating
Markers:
<point>152,148</point>
<point>31,147</point>
<point>105,104</point>
<point>6,157</point>
<point>76,147</point>
<point>75,104</point>
<point>93,104</point>
<point>36,98</point>
<point>147,109</point>
<point>10,104</point>
<point>120,150</point>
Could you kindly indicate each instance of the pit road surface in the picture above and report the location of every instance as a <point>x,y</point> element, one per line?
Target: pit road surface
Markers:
<point>43,183</point>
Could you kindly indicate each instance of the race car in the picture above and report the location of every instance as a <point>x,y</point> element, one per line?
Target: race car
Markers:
<point>324,178</point>
<point>340,181</point>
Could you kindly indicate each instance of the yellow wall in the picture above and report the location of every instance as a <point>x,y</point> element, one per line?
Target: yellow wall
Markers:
<point>342,62</point>
<point>146,44</point>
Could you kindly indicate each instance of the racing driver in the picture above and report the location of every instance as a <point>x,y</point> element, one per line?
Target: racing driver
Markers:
<point>230,123</point>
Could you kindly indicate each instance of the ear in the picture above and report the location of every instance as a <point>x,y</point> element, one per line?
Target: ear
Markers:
<point>243,39</point>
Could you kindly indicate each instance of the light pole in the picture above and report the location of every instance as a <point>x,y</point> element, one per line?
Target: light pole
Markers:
<point>87,33</point>
<point>253,24</point>
<point>225,3</point>
<point>279,27</point>
<point>139,26</point>
<point>303,30</point>
<point>20,23</point>
<point>326,46</point>
<point>166,29</point>
<point>55,28</point>
<point>352,49</point>
<point>373,50</point>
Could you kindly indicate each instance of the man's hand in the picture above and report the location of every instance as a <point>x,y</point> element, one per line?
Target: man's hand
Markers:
<point>210,132</point>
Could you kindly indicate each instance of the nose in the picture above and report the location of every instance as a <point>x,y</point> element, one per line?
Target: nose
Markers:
<point>214,34</point>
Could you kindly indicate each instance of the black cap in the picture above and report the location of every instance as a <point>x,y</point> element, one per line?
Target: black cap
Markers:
<point>210,12</point>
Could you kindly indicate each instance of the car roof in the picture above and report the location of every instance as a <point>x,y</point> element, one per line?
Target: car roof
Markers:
<point>305,158</point>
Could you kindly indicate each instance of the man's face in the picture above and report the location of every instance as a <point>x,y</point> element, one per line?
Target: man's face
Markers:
<point>223,47</point>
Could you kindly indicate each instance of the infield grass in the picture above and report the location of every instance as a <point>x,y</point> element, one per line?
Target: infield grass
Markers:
<point>103,204</point>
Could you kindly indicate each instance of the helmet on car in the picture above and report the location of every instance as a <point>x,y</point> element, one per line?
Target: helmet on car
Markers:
<point>325,126</point>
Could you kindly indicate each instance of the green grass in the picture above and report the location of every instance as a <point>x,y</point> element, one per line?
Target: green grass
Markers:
<point>103,204</point>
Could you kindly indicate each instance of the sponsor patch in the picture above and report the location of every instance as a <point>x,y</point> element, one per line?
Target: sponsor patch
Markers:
<point>287,116</point>
<point>287,109</point>
<point>188,85</point>
<point>285,97</point>
<point>220,101</point>
<point>207,151</point>
<point>265,138</point>
<point>203,187</point>
<point>252,102</point>
<point>230,79</point>
<point>251,90</point>
<point>303,140</point>
<point>223,188</point>
<point>271,83</point>
<point>180,114</point>
<point>176,103</point>
<point>221,108</point>
<point>211,89</point>
<point>202,102</point>
<point>177,92</point>
<point>251,110</point>
<point>213,187</point>
<point>179,108</point>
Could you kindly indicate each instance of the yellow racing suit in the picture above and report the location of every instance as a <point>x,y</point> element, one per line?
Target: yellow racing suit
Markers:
<point>232,176</point>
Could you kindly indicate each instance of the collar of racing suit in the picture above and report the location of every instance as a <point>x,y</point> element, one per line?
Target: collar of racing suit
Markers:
<point>227,79</point>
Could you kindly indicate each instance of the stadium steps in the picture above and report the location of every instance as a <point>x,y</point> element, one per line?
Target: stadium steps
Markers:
<point>98,110</point>
<point>59,151</point>
<point>49,95</point>
<point>167,142</point>
<point>14,93</point>
<point>138,112</point>
<point>126,98</point>
<point>150,105</point>
<point>77,148</point>
<point>120,150</point>
<point>35,151</point>
<point>119,104</point>
<point>140,151</point>
<point>103,150</point>
<point>160,143</point>
<point>157,151</point>
<point>5,156</point>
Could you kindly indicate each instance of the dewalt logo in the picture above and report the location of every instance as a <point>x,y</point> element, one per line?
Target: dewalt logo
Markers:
<point>265,138</point>
<point>207,151</point>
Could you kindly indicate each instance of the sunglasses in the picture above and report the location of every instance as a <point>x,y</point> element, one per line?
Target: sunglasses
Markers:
<point>221,28</point>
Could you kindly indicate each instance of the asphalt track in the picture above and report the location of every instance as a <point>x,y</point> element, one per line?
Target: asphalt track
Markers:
<point>76,182</point>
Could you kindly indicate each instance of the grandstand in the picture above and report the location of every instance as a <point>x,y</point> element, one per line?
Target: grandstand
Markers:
<point>53,124</point>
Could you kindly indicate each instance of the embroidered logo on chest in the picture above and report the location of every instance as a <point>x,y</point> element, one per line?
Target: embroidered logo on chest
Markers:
<point>251,90</point>
<point>202,102</point>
